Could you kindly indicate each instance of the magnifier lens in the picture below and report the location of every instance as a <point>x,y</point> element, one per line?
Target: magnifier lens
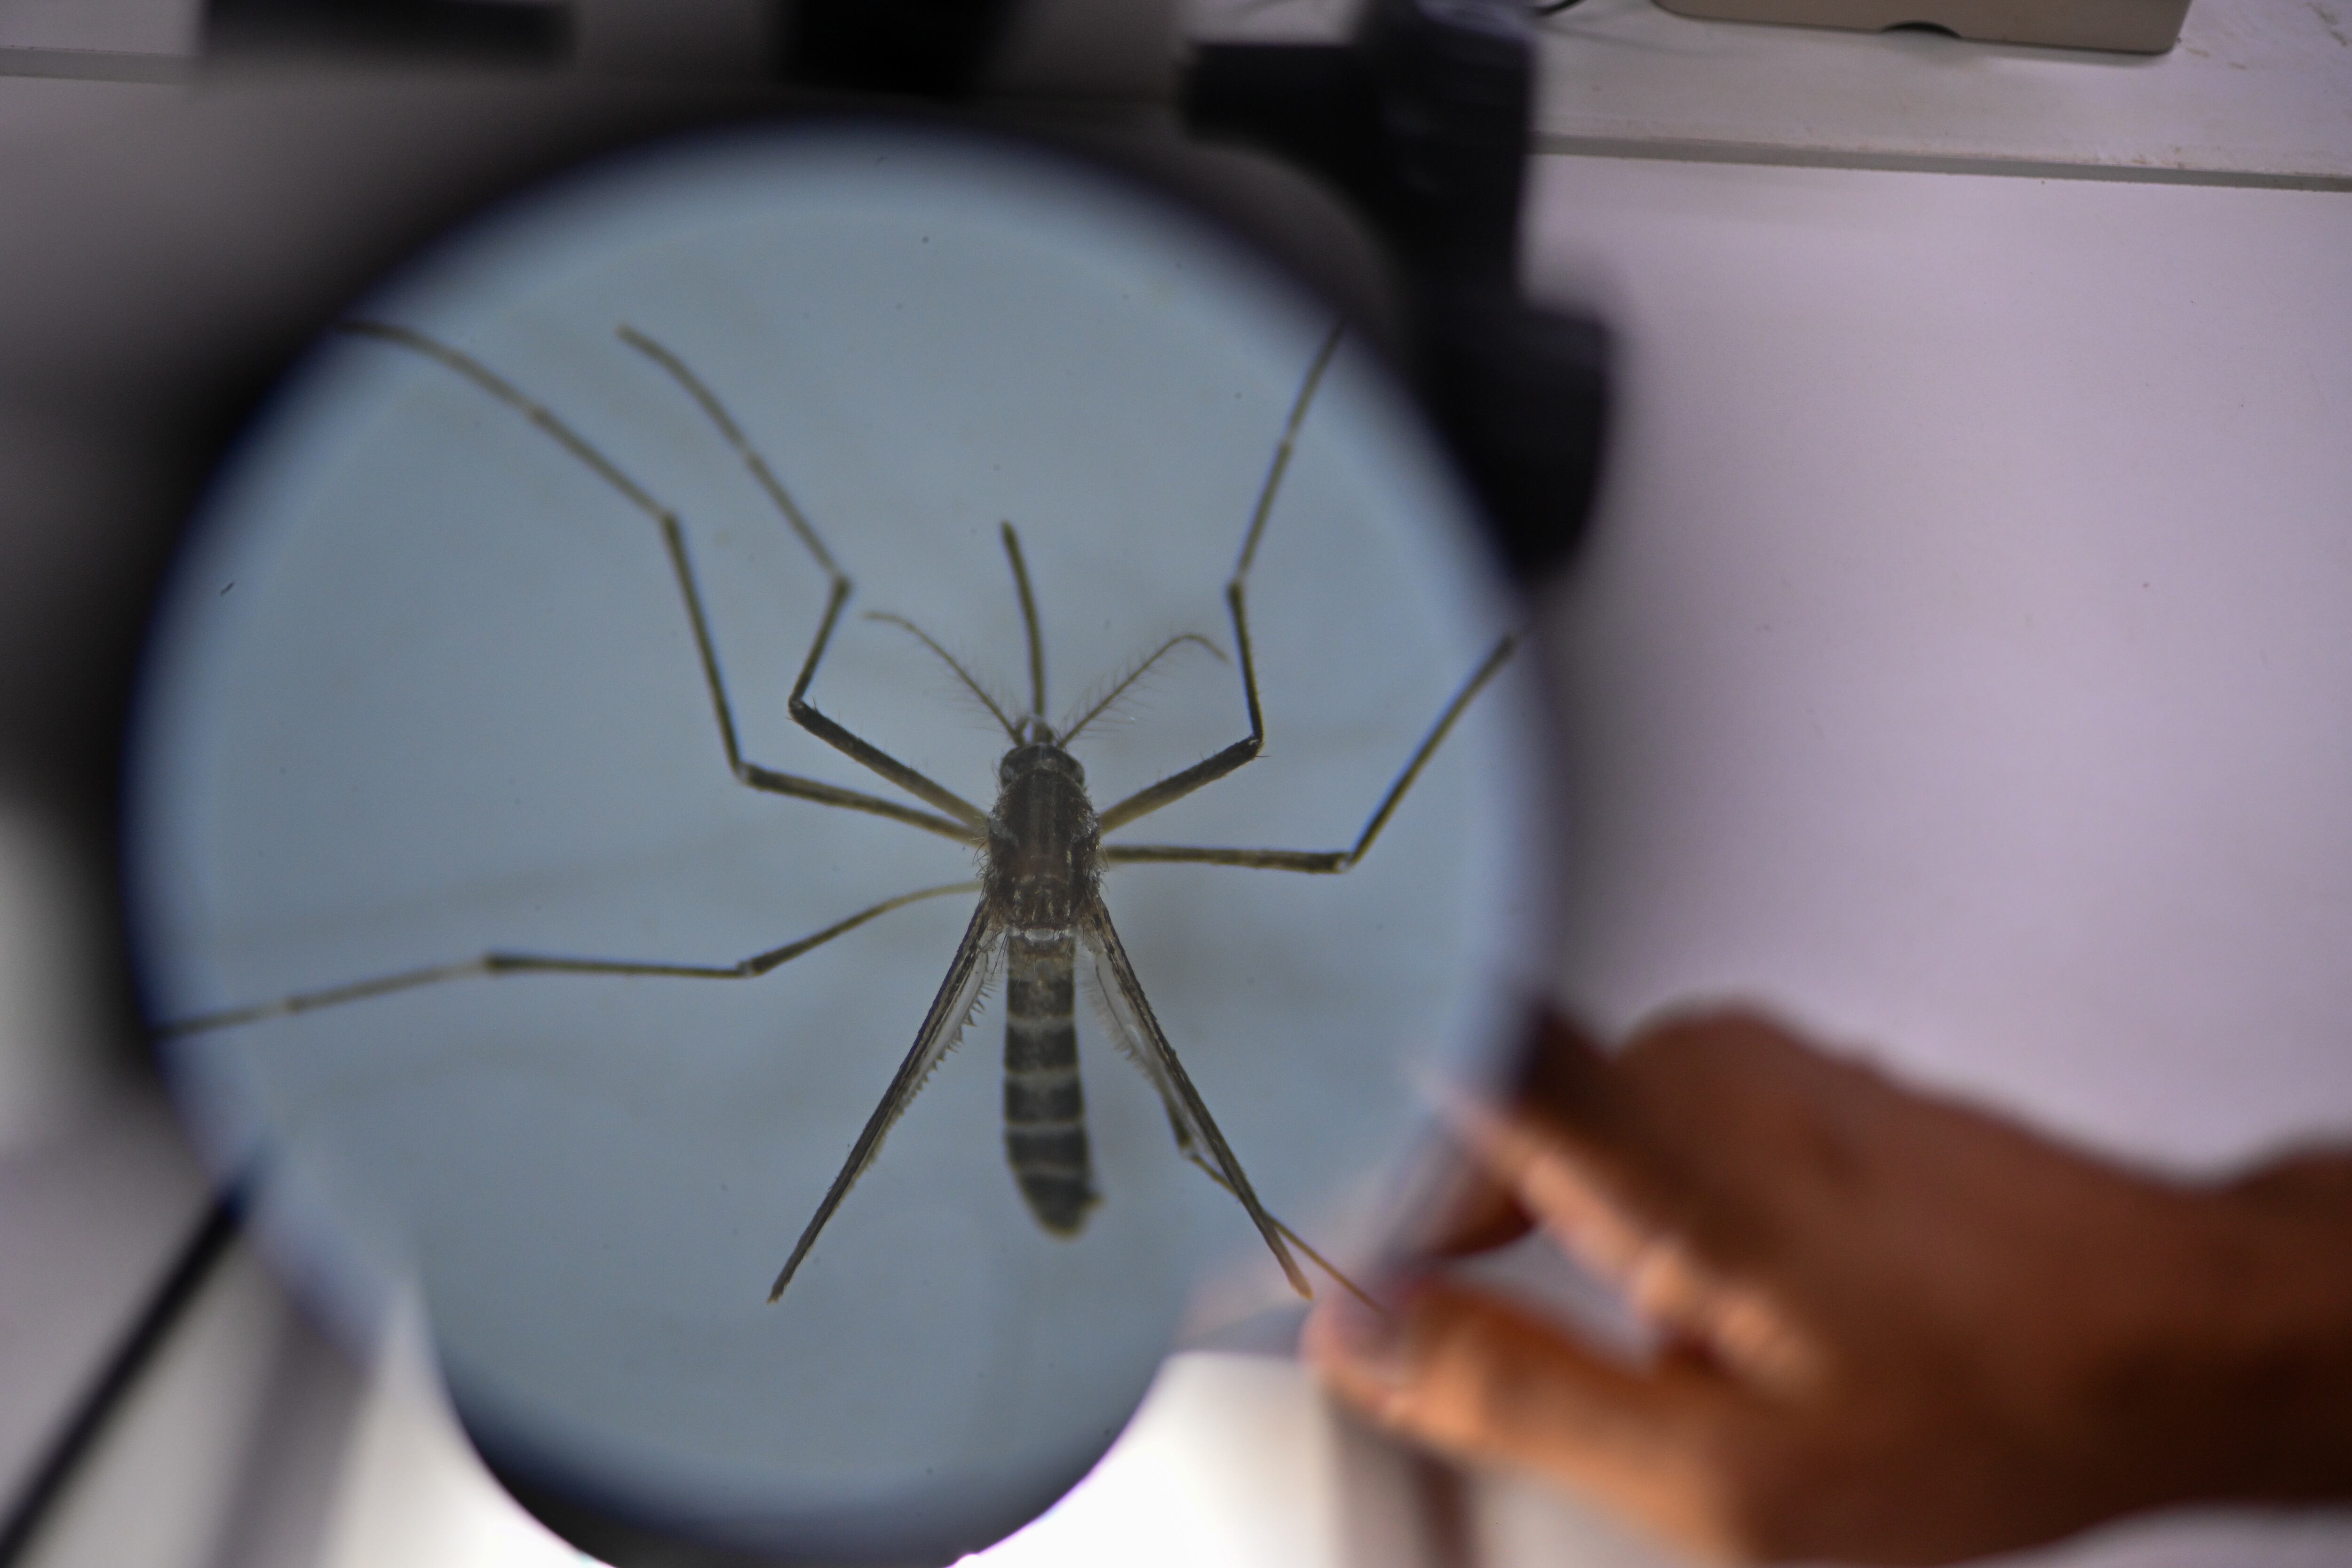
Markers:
<point>454,666</point>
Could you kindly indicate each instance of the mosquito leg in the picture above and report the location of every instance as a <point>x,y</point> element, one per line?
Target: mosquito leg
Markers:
<point>973,821</point>
<point>863,752</point>
<point>1196,1131</point>
<point>1177,785</point>
<point>1329,861</point>
<point>716,412</point>
<point>1282,451</point>
<point>682,566</point>
<point>1295,1240</point>
<point>490,965</point>
<point>968,972</point>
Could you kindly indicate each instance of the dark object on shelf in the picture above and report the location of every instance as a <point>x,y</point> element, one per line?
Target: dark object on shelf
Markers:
<point>919,48</point>
<point>479,31</point>
<point>1522,392</point>
<point>1422,121</point>
<point>2127,26</point>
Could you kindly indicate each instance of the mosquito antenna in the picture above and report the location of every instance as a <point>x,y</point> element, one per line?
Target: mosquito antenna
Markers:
<point>961,673</point>
<point>1094,713</point>
<point>702,395</point>
<point>1028,623</point>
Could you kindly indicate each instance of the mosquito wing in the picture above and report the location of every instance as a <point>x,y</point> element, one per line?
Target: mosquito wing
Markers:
<point>976,962</point>
<point>1129,1012</point>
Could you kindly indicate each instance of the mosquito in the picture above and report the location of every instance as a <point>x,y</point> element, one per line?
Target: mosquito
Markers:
<point>1040,918</point>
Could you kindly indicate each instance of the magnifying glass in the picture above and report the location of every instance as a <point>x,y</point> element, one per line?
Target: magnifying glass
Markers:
<point>721,645</point>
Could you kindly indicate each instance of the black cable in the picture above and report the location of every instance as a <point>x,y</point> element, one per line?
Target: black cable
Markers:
<point>164,1310</point>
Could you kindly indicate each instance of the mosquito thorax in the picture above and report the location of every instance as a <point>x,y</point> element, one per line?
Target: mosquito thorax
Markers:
<point>1043,845</point>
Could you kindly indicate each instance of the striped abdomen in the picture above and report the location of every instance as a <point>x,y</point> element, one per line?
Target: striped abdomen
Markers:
<point>1045,1110</point>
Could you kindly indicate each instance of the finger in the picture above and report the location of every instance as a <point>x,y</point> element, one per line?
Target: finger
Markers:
<point>1752,1140</point>
<point>1468,1204</point>
<point>1566,1075</point>
<point>1483,1215</point>
<point>1687,1127</point>
<point>1478,1378</point>
<point>1458,1207</point>
<point>1554,1180</point>
<point>1580,1197</point>
<point>1572,1098</point>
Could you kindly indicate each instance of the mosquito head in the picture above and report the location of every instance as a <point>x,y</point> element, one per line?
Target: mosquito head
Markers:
<point>1041,755</point>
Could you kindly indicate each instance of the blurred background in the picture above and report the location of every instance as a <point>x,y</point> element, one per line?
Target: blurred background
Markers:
<point>1958,663</point>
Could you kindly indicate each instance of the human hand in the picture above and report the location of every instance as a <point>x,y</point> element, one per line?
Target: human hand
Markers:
<point>1894,1328</point>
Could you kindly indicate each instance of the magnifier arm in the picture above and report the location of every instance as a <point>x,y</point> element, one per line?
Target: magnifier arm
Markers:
<point>490,965</point>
